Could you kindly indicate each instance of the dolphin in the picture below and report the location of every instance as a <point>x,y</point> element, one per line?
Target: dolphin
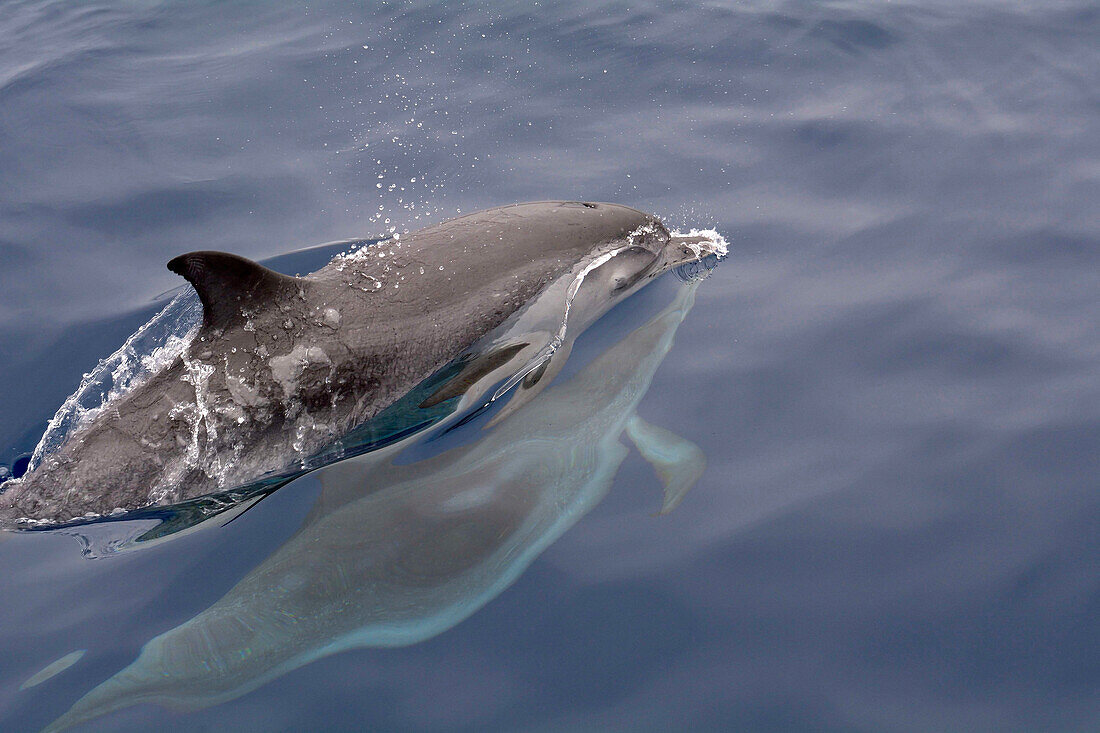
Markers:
<point>393,554</point>
<point>282,365</point>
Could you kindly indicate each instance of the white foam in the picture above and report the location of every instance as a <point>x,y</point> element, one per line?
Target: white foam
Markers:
<point>155,345</point>
<point>705,242</point>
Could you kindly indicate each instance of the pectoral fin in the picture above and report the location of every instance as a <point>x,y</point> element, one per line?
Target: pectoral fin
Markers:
<point>472,372</point>
<point>534,382</point>
<point>678,462</point>
<point>53,669</point>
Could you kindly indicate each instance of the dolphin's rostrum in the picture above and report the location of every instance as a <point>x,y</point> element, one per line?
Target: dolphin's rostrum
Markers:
<point>283,365</point>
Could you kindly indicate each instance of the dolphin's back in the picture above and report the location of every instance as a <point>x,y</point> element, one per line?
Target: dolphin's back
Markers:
<point>283,365</point>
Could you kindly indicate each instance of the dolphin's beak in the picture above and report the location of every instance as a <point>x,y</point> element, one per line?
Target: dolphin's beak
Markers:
<point>684,249</point>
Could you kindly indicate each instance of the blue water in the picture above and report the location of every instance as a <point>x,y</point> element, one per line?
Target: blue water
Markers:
<point>894,376</point>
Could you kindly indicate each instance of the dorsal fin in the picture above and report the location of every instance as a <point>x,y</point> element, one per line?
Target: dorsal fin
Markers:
<point>226,283</point>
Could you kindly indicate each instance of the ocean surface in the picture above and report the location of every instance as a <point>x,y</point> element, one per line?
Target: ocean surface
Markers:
<point>894,376</point>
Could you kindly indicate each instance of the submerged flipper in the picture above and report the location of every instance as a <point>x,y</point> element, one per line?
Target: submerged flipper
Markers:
<point>678,462</point>
<point>53,669</point>
<point>226,283</point>
<point>534,382</point>
<point>473,371</point>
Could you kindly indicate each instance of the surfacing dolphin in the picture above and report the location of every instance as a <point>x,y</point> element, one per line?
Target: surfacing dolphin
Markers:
<point>283,365</point>
<point>394,554</point>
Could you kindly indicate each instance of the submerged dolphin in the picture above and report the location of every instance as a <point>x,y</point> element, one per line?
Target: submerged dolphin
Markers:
<point>283,365</point>
<point>393,554</point>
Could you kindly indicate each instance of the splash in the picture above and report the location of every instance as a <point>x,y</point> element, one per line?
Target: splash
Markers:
<point>704,242</point>
<point>709,247</point>
<point>148,350</point>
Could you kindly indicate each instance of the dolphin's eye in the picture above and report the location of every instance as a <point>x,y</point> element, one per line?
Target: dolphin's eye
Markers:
<point>622,282</point>
<point>631,265</point>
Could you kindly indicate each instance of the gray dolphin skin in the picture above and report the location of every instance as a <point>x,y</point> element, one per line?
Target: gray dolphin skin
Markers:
<point>393,554</point>
<point>282,366</point>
